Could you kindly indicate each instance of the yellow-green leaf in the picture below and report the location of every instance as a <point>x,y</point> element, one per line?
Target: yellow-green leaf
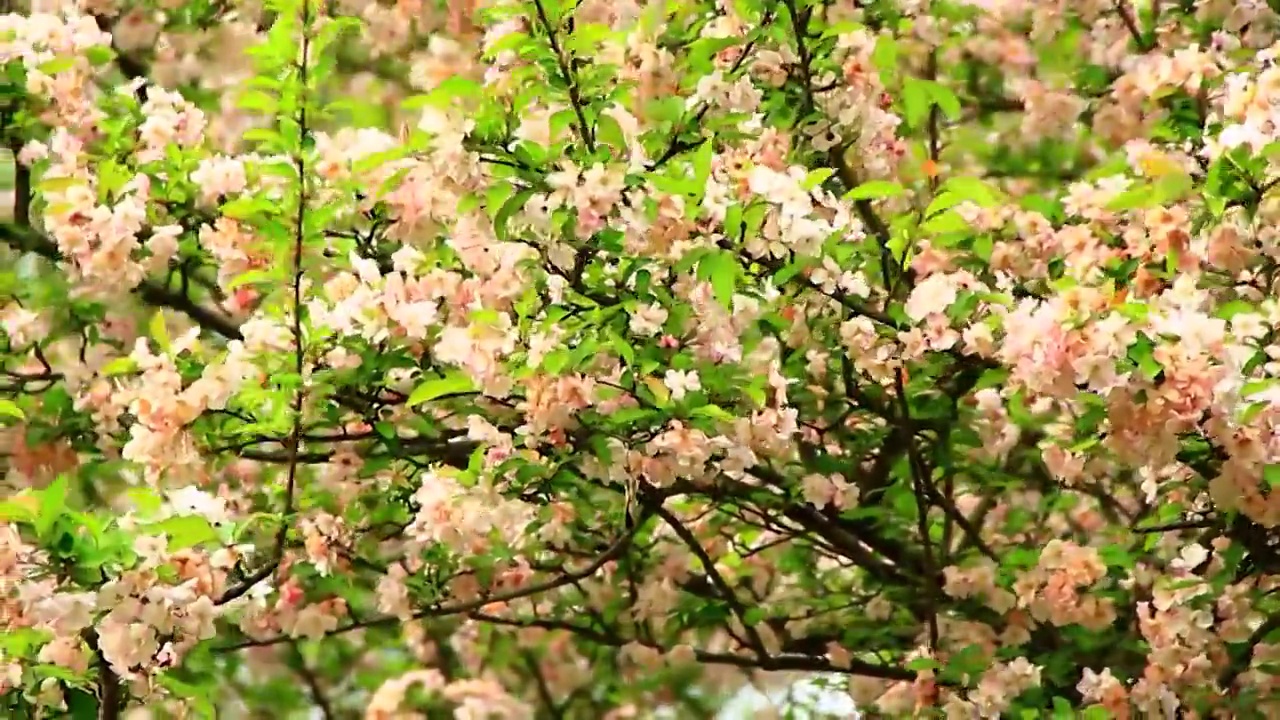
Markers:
<point>119,366</point>
<point>659,390</point>
<point>159,332</point>
<point>875,189</point>
<point>21,508</point>
<point>57,65</point>
<point>185,531</point>
<point>9,408</point>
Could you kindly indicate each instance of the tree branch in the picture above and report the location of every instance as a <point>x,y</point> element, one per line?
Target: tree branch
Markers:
<point>785,661</point>
<point>612,553</point>
<point>726,592</point>
<point>313,683</point>
<point>111,701</point>
<point>27,239</point>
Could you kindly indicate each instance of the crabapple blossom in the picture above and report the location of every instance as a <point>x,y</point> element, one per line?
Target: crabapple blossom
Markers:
<point>525,358</point>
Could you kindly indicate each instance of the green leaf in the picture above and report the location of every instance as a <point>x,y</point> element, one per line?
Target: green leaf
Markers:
<point>624,349</point>
<point>1135,197</point>
<point>242,208</point>
<point>973,190</point>
<point>786,272</point>
<point>9,408</point>
<point>1142,354</point>
<point>916,100</point>
<point>1253,387</point>
<point>816,178</point>
<point>496,196</point>
<point>265,136</point>
<point>185,531</point>
<point>57,65</point>
<point>946,100</point>
<point>658,390</point>
<point>875,190</point>
<point>1271,475</point>
<point>733,221</point>
<point>943,201</point>
<point>510,41</point>
<point>99,55</point>
<point>376,160</point>
<point>197,697</point>
<point>453,383</point>
<point>841,28</point>
<point>45,670</point>
<point>1173,187</point>
<point>721,270</point>
<point>58,184</point>
<point>259,101</point>
<point>251,277</point>
<point>386,430</point>
<point>1116,556</point>
<point>715,412</point>
<point>609,132</point>
<point>687,187</point>
<point>146,499</point>
<point>702,165</point>
<point>53,504</point>
<point>946,222</point>
<point>81,704</point>
<point>513,205</point>
<point>923,663</point>
<point>885,56</point>
<point>1232,308</point>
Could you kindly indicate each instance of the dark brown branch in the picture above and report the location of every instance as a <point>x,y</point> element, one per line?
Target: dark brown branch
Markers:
<point>540,683</point>
<point>111,701</point>
<point>784,661</point>
<point>835,157</point>
<point>612,553</point>
<point>726,592</point>
<point>563,62</point>
<point>1241,658</point>
<point>1130,24</point>
<point>676,146</point>
<point>308,676</point>
<point>27,239</point>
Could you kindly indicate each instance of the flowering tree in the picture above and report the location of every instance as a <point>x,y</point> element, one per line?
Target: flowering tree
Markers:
<point>573,360</point>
